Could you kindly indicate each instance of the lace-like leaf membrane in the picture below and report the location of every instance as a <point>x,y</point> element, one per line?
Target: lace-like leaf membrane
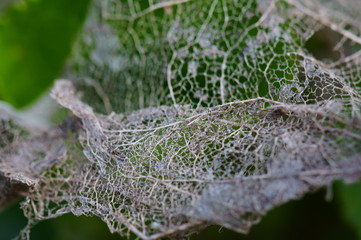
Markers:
<point>199,112</point>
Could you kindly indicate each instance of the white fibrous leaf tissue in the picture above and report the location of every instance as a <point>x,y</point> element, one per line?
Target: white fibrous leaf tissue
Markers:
<point>186,113</point>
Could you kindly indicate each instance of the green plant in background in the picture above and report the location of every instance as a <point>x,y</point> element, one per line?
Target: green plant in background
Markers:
<point>35,40</point>
<point>349,197</point>
<point>217,112</point>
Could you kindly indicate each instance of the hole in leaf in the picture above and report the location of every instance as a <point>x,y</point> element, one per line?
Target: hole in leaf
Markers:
<point>328,44</point>
<point>321,44</point>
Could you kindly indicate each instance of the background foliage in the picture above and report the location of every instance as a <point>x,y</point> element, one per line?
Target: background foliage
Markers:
<point>35,40</point>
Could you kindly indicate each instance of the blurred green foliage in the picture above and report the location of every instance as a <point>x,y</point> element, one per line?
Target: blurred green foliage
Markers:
<point>310,218</point>
<point>35,39</point>
<point>349,197</point>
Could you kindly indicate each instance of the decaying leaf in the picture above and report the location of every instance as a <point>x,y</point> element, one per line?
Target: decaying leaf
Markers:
<point>201,112</point>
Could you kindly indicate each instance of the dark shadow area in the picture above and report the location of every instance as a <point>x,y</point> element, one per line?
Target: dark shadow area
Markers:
<point>71,227</point>
<point>321,44</point>
<point>12,221</point>
<point>327,44</point>
<point>66,227</point>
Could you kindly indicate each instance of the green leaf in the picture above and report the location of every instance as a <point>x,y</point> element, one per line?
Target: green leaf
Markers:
<point>35,39</point>
<point>349,197</point>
